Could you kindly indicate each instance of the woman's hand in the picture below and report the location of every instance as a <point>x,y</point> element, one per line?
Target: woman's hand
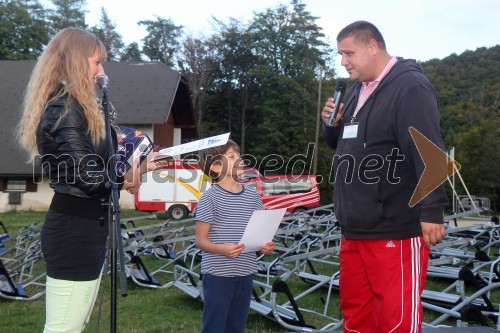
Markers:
<point>149,165</point>
<point>133,177</point>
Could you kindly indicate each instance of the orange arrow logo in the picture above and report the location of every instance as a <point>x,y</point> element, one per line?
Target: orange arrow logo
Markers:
<point>438,166</point>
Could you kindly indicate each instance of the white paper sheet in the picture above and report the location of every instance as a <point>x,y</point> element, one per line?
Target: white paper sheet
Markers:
<point>261,228</point>
<point>189,147</point>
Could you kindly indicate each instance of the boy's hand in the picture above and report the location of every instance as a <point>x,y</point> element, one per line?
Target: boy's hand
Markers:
<point>232,250</point>
<point>268,248</point>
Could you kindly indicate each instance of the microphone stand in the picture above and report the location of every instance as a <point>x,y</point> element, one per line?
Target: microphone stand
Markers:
<point>116,245</point>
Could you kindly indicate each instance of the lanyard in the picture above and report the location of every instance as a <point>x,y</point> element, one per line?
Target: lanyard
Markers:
<point>360,105</point>
<point>353,117</point>
<point>358,108</point>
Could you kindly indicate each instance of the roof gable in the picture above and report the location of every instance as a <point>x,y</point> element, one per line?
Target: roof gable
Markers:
<point>142,93</point>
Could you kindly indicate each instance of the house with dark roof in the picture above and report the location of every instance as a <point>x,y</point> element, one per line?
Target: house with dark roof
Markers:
<point>150,97</point>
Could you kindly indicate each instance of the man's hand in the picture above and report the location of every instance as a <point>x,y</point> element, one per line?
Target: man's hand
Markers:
<point>328,109</point>
<point>433,233</point>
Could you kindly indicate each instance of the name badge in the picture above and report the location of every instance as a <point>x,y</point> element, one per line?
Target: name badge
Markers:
<point>350,131</point>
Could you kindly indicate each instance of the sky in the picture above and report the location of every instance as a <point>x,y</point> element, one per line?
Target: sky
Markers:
<point>418,29</point>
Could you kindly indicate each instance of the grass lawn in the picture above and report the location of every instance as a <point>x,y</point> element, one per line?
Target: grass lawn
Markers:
<point>144,310</point>
<point>147,310</point>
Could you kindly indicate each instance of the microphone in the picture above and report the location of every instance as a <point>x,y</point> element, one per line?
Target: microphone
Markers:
<point>338,96</point>
<point>102,81</point>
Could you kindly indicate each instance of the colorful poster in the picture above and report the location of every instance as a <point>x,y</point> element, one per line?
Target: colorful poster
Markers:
<point>131,144</point>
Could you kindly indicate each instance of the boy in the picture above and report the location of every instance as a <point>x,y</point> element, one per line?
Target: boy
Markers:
<point>221,218</point>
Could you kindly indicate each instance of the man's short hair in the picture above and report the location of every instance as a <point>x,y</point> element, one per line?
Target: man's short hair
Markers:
<point>362,32</point>
<point>213,155</point>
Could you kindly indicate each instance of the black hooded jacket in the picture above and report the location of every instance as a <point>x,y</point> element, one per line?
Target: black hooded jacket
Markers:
<point>376,173</point>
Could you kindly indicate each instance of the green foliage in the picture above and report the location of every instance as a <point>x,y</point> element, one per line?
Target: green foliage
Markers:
<point>197,62</point>
<point>131,53</point>
<point>282,126</point>
<point>67,13</point>
<point>106,32</point>
<point>290,41</point>
<point>468,87</point>
<point>235,77</point>
<point>162,40</point>
<point>23,30</point>
<point>479,154</point>
<point>170,310</point>
<point>263,88</point>
<point>142,311</point>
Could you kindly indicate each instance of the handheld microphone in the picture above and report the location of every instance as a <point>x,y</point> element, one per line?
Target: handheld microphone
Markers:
<point>102,81</point>
<point>338,96</point>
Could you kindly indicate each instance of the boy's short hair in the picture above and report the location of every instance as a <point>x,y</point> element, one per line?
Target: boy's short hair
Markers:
<point>213,155</point>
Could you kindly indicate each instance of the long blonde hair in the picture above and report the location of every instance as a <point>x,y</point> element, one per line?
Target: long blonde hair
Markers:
<point>65,59</point>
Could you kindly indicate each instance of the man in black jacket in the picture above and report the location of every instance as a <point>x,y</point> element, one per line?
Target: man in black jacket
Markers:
<point>385,244</point>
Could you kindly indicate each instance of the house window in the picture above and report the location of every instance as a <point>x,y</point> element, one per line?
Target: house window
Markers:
<point>16,185</point>
<point>15,198</point>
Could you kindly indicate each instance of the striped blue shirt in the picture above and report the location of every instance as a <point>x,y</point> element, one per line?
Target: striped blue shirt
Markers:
<point>228,214</point>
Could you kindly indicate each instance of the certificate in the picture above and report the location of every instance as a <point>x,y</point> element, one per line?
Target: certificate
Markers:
<point>189,147</point>
<point>261,228</point>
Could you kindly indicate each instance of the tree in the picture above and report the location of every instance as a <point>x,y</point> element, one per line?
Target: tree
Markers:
<point>23,30</point>
<point>197,64</point>
<point>265,87</point>
<point>469,98</point>
<point>111,39</point>
<point>67,13</point>
<point>131,53</point>
<point>235,81</point>
<point>478,153</point>
<point>290,41</point>
<point>162,40</point>
<point>291,47</point>
<point>281,122</point>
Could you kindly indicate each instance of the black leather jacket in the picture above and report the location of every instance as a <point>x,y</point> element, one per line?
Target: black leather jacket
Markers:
<point>72,163</point>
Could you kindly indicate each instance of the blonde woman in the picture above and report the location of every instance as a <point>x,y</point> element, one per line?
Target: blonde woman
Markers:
<point>63,125</point>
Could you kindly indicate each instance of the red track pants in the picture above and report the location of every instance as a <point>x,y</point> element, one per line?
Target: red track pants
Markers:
<point>381,283</point>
